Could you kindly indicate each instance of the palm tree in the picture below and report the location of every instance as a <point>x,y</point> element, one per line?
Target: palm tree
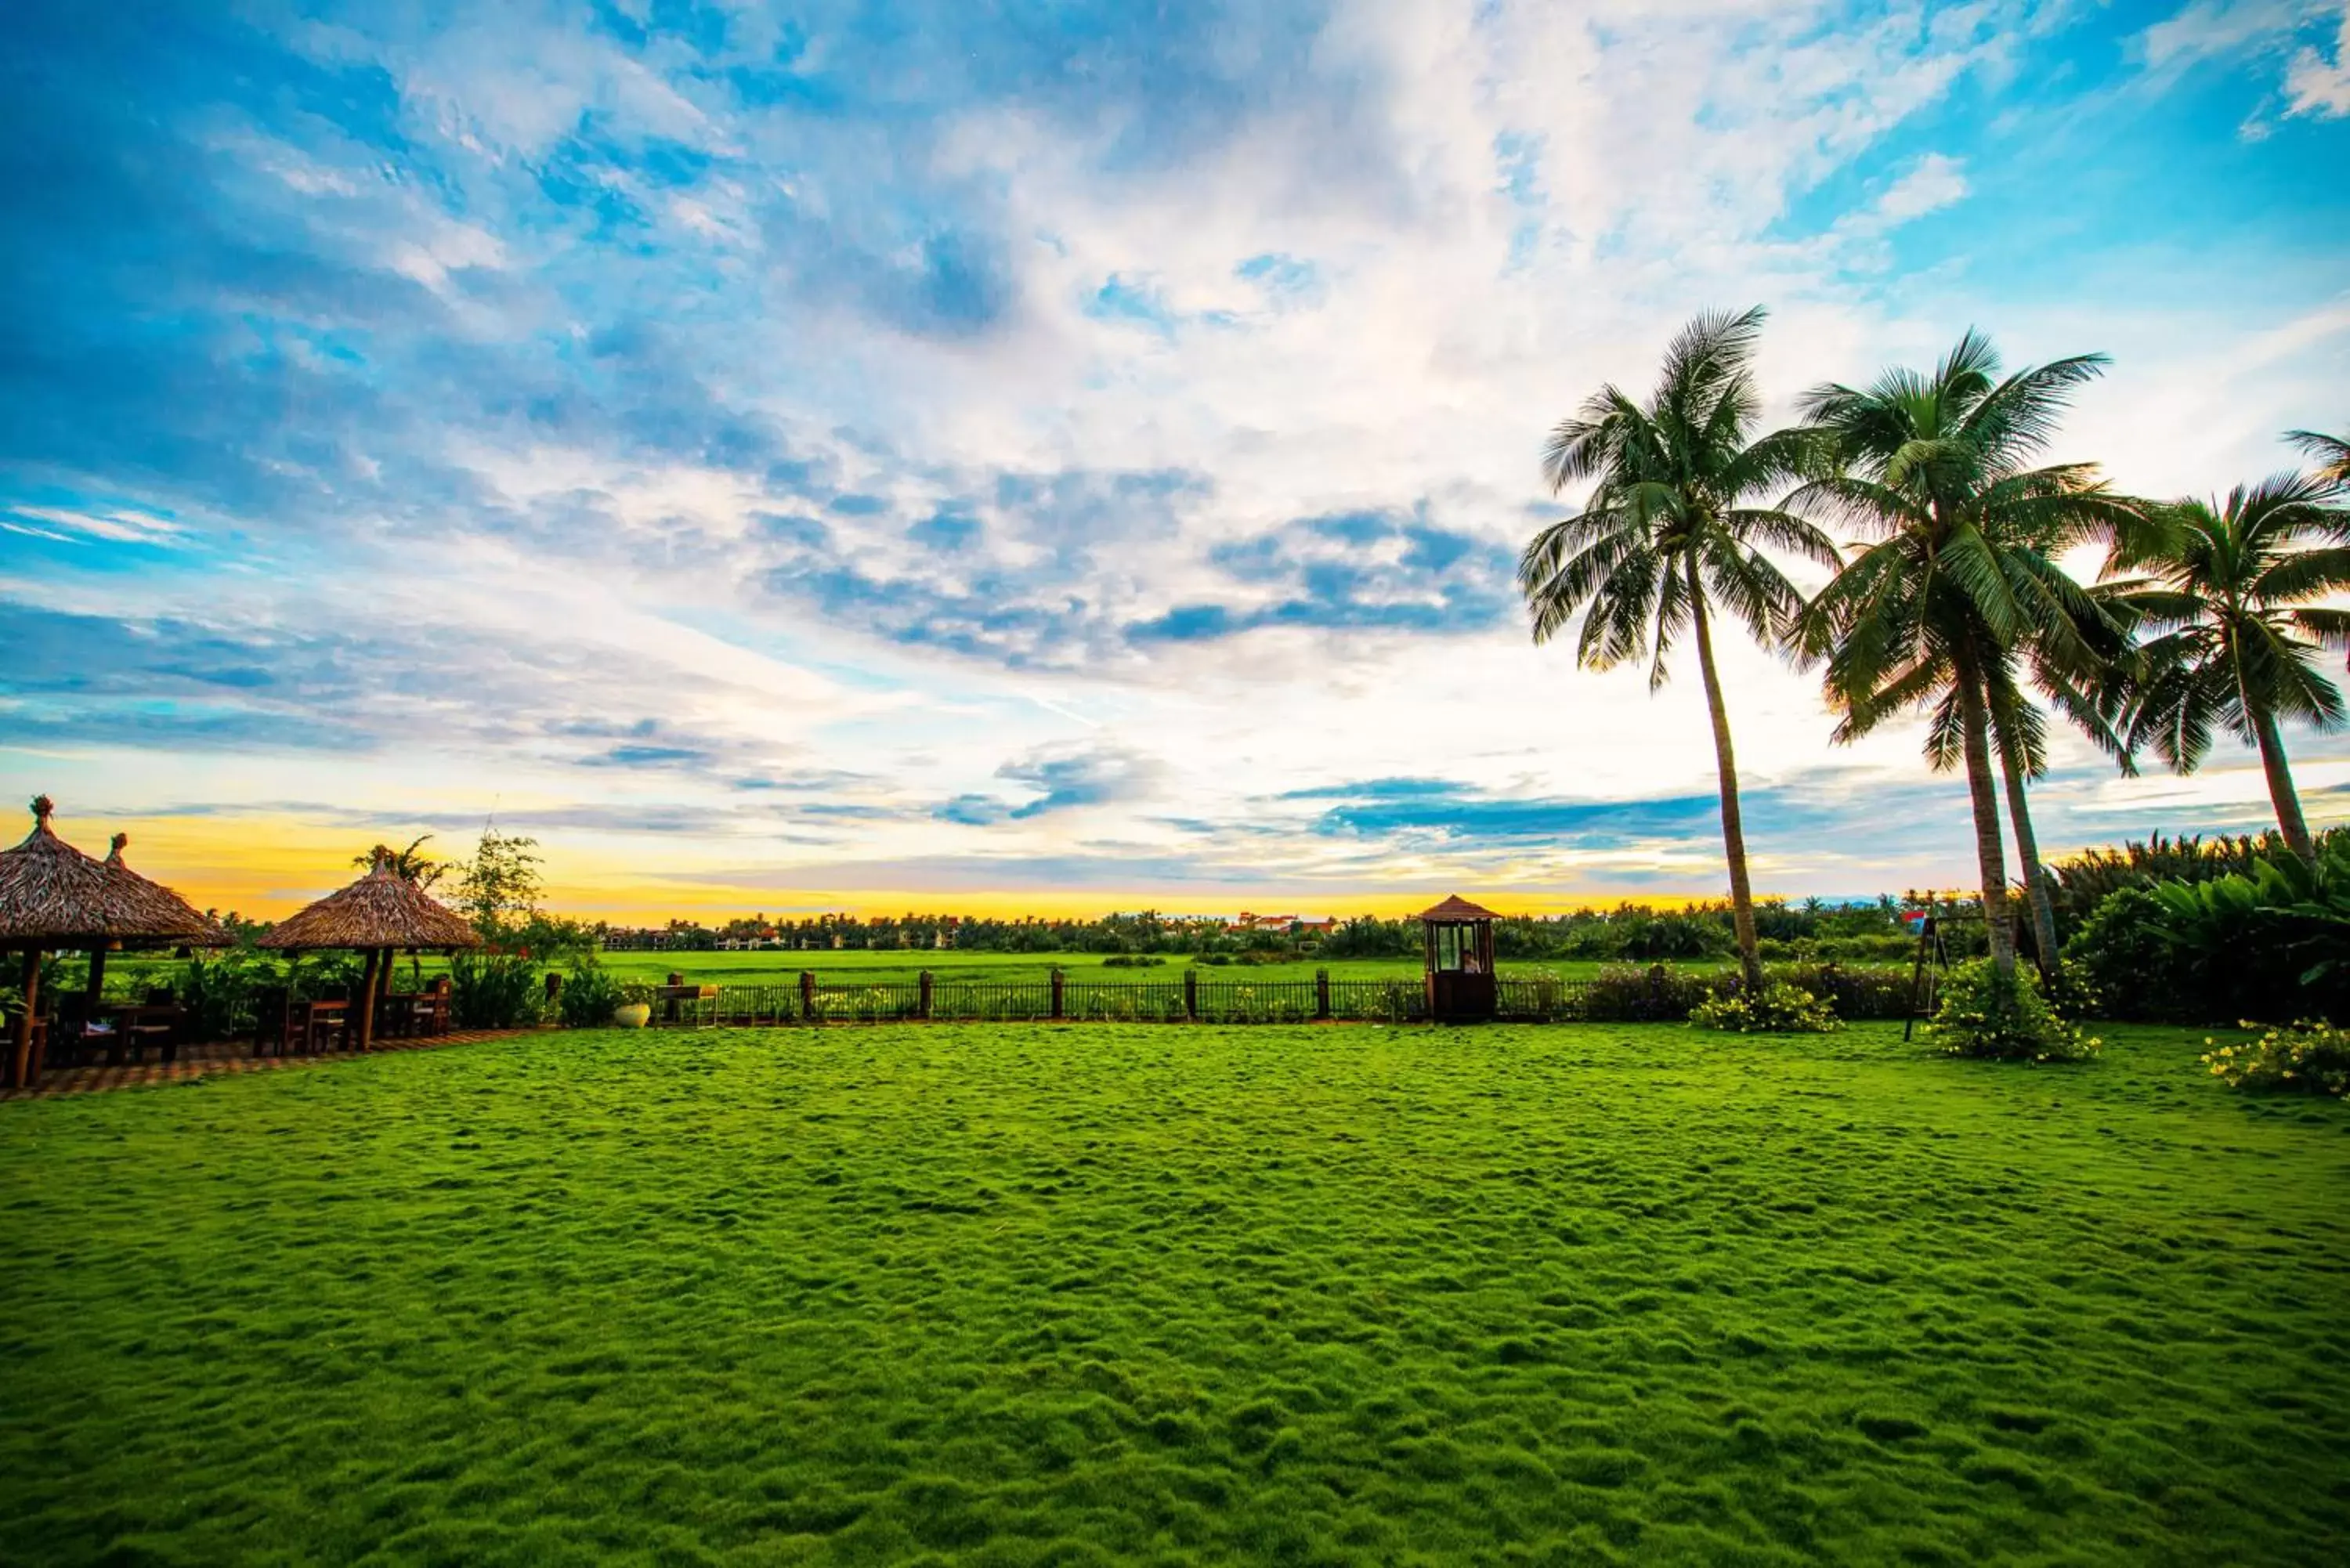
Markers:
<point>2019,736</point>
<point>2332,452</point>
<point>409,864</point>
<point>1961,595</point>
<point>2235,633</point>
<point>1669,532</point>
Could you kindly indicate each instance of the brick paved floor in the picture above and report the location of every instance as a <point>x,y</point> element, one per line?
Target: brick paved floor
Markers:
<point>215,1061</point>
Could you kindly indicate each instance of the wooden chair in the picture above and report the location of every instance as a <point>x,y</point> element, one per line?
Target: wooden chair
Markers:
<point>158,1023</point>
<point>283,1026</point>
<point>80,1035</point>
<point>433,1007</point>
<point>34,1063</point>
<point>273,1021</point>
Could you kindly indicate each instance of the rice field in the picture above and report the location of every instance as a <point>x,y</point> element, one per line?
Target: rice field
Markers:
<point>890,966</point>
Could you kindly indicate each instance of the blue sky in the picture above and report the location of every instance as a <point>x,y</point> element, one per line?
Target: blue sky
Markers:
<point>1048,453</point>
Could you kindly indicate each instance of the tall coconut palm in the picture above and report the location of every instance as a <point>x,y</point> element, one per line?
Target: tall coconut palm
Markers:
<point>1960,592</point>
<point>2235,633</point>
<point>2332,455</point>
<point>2019,738</point>
<point>1671,533</point>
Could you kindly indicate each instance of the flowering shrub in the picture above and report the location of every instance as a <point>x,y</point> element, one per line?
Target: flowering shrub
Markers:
<point>1780,1010</point>
<point>1986,1013</point>
<point>2310,1057</point>
<point>2075,993</point>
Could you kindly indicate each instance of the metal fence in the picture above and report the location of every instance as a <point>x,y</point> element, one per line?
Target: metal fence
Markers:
<point>1621,995</point>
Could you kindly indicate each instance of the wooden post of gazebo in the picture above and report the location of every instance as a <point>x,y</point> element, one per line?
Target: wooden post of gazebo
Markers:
<point>1459,939</point>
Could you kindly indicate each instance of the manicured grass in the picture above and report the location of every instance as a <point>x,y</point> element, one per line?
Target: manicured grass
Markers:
<point>1091,1295</point>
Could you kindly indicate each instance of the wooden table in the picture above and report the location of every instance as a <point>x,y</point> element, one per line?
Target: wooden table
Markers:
<point>136,1023</point>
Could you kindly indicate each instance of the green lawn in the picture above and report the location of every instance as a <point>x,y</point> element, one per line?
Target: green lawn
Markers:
<point>1029,1294</point>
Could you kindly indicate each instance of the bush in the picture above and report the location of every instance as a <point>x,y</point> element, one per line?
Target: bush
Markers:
<point>590,992</point>
<point>2309,1058</point>
<point>1133,960</point>
<point>1624,994</point>
<point>1851,993</point>
<point>1780,1010</point>
<point>2122,952</point>
<point>2219,948</point>
<point>495,991</point>
<point>222,994</point>
<point>2003,1016</point>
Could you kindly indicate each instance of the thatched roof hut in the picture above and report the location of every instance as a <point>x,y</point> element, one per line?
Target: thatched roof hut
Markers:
<point>167,908</point>
<point>381,910</point>
<point>53,896</point>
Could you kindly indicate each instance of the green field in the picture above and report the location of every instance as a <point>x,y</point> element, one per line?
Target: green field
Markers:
<point>1035,1294</point>
<point>773,968</point>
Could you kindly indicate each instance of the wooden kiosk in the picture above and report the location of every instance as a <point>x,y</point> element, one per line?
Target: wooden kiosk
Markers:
<point>1459,944</point>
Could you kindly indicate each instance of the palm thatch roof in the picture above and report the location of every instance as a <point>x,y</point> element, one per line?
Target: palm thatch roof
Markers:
<point>381,910</point>
<point>191,928</point>
<point>54,896</point>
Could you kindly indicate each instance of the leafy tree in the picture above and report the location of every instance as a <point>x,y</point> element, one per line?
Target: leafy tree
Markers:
<point>1669,531</point>
<point>2236,631</point>
<point>500,887</point>
<point>1959,599</point>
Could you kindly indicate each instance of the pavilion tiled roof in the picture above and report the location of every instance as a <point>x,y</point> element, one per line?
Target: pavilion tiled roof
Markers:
<point>1456,907</point>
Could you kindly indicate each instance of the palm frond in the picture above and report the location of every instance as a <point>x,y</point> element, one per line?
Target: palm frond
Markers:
<point>2331,454</point>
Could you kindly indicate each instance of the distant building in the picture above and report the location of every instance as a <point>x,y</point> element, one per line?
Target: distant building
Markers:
<point>1281,925</point>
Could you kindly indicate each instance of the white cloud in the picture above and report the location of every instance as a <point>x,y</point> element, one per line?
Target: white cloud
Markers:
<point>1935,181</point>
<point>2317,85</point>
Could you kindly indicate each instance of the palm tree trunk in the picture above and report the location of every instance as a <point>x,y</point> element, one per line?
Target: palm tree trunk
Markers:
<point>1733,827</point>
<point>2027,859</point>
<point>2281,791</point>
<point>1989,860</point>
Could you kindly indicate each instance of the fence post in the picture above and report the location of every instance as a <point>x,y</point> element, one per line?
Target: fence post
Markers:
<point>1059,981</point>
<point>807,996</point>
<point>1322,995</point>
<point>922,1009</point>
<point>1190,996</point>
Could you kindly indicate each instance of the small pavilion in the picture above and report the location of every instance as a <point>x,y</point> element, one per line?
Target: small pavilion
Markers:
<point>380,911</point>
<point>1459,946</point>
<point>55,898</point>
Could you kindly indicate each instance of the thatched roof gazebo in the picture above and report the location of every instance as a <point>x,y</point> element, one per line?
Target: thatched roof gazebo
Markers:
<point>53,898</point>
<point>380,911</point>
